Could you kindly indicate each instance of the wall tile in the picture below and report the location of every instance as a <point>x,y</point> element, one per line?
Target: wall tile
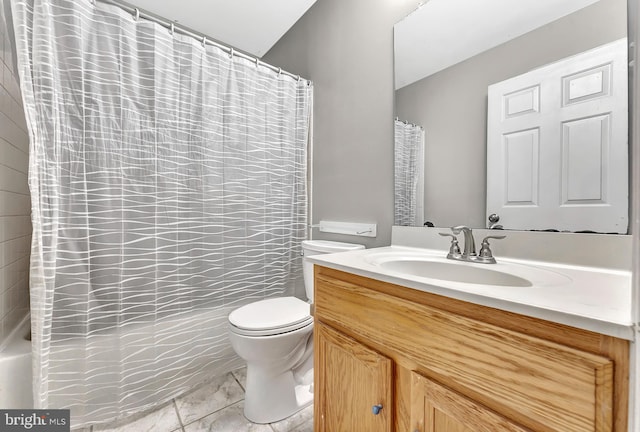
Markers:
<point>15,204</point>
<point>13,157</point>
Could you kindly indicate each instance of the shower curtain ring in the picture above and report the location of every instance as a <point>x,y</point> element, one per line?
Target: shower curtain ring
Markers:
<point>231,52</point>
<point>257,62</point>
<point>172,28</point>
<point>204,41</point>
<point>279,71</point>
<point>137,15</point>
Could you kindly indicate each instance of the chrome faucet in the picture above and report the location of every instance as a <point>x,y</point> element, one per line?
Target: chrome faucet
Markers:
<point>469,252</point>
<point>469,243</point>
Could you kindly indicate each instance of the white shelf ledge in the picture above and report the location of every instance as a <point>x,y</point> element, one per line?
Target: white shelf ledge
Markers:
<point>348,228</point>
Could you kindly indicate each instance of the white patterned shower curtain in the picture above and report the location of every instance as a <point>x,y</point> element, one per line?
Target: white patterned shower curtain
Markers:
<point>168,183</point>
<point>408,174</point>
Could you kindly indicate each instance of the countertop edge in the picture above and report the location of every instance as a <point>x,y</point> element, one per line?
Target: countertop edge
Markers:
<point>618,330</point>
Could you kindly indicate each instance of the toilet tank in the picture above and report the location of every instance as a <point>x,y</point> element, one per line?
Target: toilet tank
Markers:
<point>316,247</point>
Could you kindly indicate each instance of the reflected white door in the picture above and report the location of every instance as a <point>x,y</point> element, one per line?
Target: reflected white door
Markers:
<point>557,145</point>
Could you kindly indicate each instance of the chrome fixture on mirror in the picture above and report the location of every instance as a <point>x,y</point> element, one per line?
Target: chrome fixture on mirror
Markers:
<point>493,222</point>
<point>469,253</point>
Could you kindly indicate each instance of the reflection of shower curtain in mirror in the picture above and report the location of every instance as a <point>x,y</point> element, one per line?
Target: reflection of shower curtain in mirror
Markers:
<point>408,174</point>
<point>168,183</point>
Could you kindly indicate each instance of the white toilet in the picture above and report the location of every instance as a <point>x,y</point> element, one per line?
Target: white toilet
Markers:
<point>274,336</point>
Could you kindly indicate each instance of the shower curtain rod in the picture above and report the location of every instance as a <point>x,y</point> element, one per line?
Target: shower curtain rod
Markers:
<point>172,27</point>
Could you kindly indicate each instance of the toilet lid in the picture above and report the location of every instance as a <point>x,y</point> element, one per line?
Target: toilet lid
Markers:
<point>271,314</point>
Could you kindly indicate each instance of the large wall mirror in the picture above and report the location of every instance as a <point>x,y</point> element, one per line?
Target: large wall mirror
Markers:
<point>466,68</point>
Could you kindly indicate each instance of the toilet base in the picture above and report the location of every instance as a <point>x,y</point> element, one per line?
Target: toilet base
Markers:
<point>271,398</point>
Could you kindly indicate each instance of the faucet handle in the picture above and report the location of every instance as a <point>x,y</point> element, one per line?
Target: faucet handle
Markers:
<point>454,249</point>
<point>485,255</point>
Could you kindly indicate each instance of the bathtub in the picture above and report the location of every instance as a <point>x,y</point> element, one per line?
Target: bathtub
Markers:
<point>201,332</point>
<point>16,390</point>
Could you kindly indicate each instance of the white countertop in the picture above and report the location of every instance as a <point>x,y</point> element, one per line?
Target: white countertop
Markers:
<point>589,298</point>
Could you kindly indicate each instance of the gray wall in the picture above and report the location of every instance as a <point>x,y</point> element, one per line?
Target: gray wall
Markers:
<point>346,48</point>
<point>452,106</point>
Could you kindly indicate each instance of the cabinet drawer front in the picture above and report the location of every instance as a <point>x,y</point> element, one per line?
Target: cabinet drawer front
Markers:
<point>539,384</point>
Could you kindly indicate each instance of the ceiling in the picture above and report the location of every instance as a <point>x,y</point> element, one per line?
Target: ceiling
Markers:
<point>442,33</point>
<point>252,26</point>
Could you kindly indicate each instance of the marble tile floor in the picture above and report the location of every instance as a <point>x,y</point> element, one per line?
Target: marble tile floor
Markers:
<point>214,407</point>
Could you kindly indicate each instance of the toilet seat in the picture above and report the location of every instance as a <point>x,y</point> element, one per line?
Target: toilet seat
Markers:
<point>271,317</point>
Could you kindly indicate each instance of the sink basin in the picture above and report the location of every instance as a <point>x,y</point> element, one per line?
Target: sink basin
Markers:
<point>438,268</point>
<point>454,272</point>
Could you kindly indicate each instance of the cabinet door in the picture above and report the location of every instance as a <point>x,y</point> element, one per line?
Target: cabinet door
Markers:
<point>353,385</point>
<point>435,408</point>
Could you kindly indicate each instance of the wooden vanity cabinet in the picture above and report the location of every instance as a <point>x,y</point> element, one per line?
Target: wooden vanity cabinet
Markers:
<point>358,382</point>
<point>434,364</point>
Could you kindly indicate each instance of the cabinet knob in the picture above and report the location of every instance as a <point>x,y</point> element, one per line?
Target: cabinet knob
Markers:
<point>376,409</point>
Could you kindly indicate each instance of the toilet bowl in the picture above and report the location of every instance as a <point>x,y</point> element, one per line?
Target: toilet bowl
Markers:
<point>275,337</point>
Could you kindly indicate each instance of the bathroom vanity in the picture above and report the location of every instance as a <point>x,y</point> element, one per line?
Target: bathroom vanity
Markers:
<point>400,353</point>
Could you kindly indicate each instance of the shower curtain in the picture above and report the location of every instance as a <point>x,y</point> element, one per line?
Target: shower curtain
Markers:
<point>168,184</point>
<point>408,174</point>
